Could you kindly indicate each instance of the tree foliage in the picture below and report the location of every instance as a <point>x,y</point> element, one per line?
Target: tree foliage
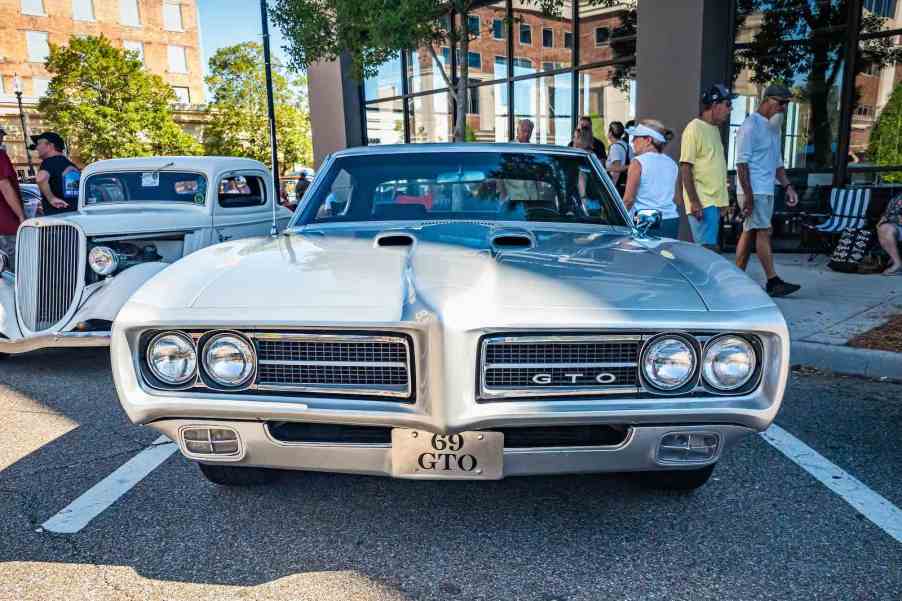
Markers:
<point>813,64</point>
<point>373,32</point>
<point>106,105</point>
<point>239,123</point>
<point>886,138</point>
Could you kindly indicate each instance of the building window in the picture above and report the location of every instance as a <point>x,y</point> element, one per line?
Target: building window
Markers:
<point>39,86</point>
<point>602,36</point>
<point>182,94</point>
<point>525,34</point>
<point>473,25</point>
<point>473,97</point>
<point>129,14</point>
<point>33,7</point>
<point>172,16</point>
<point>178,62</point>
<point>568,40</point>
<point>38,47</point>
<point>137,47</point>
<point>83,10</point>
<point>474,60</point>
<point>547,38</point>
<point>498,29</point>
<point>883,8</point>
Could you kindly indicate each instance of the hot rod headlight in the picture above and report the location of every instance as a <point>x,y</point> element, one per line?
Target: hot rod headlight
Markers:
<point>229,359</point>
<point>103,260</point>
<point>729,362</point>
<point>172,358</point>
<point>668,363</point>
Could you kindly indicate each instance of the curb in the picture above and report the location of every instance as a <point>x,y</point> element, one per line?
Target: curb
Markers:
<point>847,360</point>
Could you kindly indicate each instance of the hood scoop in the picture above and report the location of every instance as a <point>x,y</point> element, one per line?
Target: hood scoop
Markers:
<point>512,241</point>
<point>394,239</point>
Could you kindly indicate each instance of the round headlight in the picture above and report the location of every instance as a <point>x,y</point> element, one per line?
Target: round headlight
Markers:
<point>669,363</point>
<point>229,359</point>
<point>729,362</point>
<point>103,260</point>
<point>171,358</point>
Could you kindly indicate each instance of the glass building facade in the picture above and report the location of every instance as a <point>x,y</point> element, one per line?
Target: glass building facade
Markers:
<point>523,64</point>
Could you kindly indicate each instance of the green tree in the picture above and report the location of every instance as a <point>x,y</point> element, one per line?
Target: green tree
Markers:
<point>239,123</point>
<point>813,63</point>
<point>375,31</point>
<point>103,102</point>
<point>886,138</point>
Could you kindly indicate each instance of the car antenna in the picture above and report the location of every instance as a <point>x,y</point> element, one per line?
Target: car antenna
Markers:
<point>169,164</point>
<point>274,230</point>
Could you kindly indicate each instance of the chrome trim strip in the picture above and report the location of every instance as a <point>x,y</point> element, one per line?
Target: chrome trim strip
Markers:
<point>334,363</point>
<point>557,365</point>
<point>570,391</point>
<point>507,339</point>
<point>300,337</point>
<point>54,339</point>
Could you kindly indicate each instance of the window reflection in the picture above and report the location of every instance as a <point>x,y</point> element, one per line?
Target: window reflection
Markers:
<point>606,94</point>
<point>430,118</point>
<point>548,103</point>
<point>386,83</point>
<point>385,122</point>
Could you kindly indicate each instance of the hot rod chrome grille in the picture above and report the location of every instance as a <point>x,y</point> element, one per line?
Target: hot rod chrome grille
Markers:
<point>558,366</point>
<point>47,274</point>
<point>335,364</point>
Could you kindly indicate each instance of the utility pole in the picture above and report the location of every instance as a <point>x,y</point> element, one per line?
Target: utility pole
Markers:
<point>267,62</point>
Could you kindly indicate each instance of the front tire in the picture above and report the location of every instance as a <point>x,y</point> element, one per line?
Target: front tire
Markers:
<point>678,480</point>
<point>230,475</point>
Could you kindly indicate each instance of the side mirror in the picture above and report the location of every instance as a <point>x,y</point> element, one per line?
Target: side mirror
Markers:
<point>647,219</point>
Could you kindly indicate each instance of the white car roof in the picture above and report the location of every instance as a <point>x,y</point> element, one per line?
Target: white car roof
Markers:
<point>207,165</point>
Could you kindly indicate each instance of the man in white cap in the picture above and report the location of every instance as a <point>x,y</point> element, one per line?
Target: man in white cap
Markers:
<point>758,162</point>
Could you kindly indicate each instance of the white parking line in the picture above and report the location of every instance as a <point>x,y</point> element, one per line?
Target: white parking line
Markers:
<point>868,503</point>
<point>99,497</point>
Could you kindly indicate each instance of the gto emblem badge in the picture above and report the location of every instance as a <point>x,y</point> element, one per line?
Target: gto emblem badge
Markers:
<point>602,378</point>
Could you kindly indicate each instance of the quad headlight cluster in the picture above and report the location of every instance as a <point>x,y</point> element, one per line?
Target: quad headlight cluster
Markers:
<point>222,359</point>
<point>671,363</point>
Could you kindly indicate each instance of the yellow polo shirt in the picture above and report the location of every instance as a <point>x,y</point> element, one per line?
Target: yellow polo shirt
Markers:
<point>702,148</point>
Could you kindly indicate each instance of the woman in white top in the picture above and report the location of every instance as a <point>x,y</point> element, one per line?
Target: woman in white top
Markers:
<point>651,181</point>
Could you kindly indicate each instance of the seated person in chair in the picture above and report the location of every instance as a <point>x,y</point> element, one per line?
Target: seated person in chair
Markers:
<point>889,231</point>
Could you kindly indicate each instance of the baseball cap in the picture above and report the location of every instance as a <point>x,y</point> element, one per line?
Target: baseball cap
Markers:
<point>718,93</point>
<point>775,90</point>
<point>52,137</point>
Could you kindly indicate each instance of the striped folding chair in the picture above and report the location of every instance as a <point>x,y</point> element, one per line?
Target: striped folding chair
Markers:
<point>848,209</point>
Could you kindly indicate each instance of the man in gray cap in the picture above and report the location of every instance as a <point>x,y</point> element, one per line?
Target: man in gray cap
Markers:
<point>758,162</point>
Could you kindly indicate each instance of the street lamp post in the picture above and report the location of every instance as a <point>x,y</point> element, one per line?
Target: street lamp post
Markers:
<point>17,88</point>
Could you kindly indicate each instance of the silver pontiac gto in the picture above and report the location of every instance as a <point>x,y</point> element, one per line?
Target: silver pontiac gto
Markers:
<point>454,312</point>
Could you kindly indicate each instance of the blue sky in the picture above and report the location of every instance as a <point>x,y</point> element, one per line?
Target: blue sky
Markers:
<point>227,22</point>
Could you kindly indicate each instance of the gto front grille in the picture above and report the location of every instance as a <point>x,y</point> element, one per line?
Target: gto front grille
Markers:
<point>48,263</point>
<point>558,366</point>
<point>367,365</point>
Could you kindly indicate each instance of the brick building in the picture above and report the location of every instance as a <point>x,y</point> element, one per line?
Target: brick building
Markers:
<point>164,33</point>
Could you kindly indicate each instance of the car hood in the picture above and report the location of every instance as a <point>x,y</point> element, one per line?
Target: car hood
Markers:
<point>120,219</point>
<point>450,268</point>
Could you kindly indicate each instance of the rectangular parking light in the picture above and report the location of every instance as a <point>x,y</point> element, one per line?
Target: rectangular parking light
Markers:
<point>210,441</point>
<point>688,447</point>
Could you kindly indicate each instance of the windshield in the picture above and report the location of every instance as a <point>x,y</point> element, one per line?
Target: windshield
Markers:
<point>488,186</point>
<point>146,186</point>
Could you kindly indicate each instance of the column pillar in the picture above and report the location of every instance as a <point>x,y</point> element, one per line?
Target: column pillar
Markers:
<point>683,48</point>
<point>335,108</point>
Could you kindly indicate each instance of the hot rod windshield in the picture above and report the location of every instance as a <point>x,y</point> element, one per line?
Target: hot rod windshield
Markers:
<point>488,186</point>
<point>145,186</point>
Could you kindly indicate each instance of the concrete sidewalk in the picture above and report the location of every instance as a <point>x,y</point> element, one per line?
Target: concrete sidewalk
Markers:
<point>830,309</point>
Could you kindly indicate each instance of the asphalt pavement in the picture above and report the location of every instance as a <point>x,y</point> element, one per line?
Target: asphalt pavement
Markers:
<point>762,528</point>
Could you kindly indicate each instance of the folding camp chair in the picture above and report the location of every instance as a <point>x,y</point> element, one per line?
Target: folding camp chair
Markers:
<point>848,209</point>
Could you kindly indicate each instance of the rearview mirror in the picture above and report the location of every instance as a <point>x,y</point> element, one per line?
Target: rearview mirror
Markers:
<point>460,177</point>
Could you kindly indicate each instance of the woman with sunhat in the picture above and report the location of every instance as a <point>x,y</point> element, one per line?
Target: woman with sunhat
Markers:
<point>651,180</point>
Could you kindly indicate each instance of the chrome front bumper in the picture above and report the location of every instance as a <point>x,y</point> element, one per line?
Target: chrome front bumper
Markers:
<point>54,340</point>
<point>637,453</point>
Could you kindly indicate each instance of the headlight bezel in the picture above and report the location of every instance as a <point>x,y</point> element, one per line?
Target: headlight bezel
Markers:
<point>754,378</point>
<point>156,379</point>
<point>204,346</point>
<point>695,375</point>
<point>115,260</point>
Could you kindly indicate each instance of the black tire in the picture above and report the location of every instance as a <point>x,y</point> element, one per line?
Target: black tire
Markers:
<point>685,480</point>
<point>3,356</point>
<point>230,475</point>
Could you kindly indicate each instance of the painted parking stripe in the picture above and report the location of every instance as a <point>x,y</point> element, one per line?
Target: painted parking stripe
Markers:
<point>868,503</point>
<point>102,495</point>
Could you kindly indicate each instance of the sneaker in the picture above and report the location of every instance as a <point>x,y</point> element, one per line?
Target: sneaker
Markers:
<point>777,287</point>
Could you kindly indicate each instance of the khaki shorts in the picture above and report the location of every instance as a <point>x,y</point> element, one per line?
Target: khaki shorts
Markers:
<point>762,212</point>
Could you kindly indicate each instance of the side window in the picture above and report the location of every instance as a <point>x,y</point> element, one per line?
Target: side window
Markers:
<point>241,191</point>
<point>336,203</point>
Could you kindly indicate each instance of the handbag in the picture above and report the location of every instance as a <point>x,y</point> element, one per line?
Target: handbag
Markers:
<point>851,254</point>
